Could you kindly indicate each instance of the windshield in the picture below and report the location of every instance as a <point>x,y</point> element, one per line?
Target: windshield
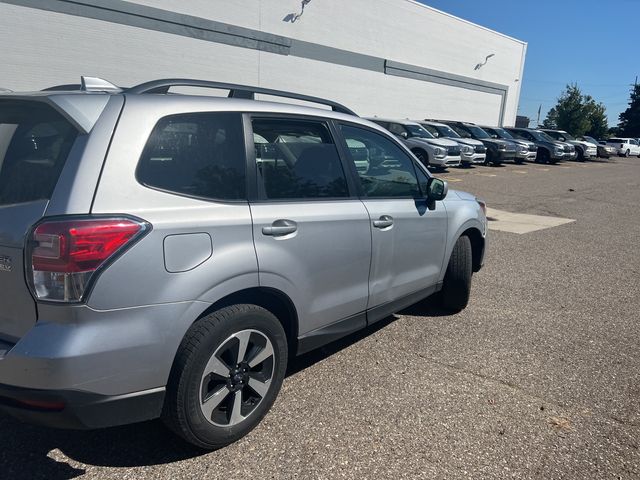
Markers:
<point>461,133</point>
<point>590,139</point>
<point>417,131</point>
<point>557,135</point>
<point>431,129</point>
<point>446,131</point>
<point>502,133</point>
<point>542,136</point>
<point>477,132</point>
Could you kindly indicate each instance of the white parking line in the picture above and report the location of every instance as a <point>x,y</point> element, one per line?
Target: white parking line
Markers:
<point>520,222</point>
<point>520,171</point>
<point>488,174</point>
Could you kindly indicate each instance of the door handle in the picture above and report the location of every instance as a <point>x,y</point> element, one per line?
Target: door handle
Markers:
<point>385,221</point>
<point>280,228</point>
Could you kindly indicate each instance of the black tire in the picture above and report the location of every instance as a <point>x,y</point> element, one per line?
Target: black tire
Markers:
<point>580,157</point>
<point>422,156</point>
<point>543,156</point>
<point>519,161</point>
<point>627,153</point>
<point>183,411</point>
<point>456,287</point>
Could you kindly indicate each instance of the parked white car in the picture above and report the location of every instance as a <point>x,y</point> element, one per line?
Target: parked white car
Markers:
<point>431,151</point>
<point>440,130</point>
<point>625,147</point>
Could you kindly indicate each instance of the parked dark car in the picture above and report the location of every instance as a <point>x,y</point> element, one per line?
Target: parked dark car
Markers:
<point>498,151</point>
<point>549,150</point>
<point>526,150</point>
<point>604,150</point>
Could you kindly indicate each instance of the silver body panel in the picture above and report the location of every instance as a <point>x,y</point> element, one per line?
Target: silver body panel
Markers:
<point>124,337</point>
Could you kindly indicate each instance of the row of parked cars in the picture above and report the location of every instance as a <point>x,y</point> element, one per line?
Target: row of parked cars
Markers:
<point>445,143</point>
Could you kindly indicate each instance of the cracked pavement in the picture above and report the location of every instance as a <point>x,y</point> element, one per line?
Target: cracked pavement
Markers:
<point>538,378</point>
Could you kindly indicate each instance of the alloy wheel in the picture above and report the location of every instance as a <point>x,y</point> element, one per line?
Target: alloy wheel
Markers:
<point>237,378</point>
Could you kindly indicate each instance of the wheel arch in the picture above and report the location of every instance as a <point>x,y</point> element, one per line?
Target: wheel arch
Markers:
<point>473,229</point>
<point>477,246</point>
<point>271,299</point>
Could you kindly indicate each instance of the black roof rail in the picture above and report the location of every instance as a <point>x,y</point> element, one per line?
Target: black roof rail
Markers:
<point>235,91</point>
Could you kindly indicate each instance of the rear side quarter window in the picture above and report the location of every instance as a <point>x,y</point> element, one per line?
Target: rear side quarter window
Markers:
<point>35,142</point>
<point>196,154</point>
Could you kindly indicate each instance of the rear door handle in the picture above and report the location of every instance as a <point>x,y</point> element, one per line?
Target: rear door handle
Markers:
<point>279,228</point>
<point>385,221</point>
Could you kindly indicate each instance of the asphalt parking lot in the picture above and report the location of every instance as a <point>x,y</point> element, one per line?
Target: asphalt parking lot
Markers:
<point>538,378</point>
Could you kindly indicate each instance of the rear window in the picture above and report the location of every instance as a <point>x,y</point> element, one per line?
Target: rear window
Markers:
<point>35,142</point>
<point>196,154</point>
<point>616,140</point>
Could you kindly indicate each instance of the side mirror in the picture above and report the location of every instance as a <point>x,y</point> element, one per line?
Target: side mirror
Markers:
<point>494,136</point>
<point>404,135</point>
<point>562,139</point>
<point>436,191</point>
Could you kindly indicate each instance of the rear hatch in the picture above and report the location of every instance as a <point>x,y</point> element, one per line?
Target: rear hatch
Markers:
<point>35,141</point>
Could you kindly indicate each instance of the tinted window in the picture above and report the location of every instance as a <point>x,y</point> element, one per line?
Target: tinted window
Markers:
<point>196,154</point>
<point>616,140</point>
<point>297,159</point>
<point>34,144</point>
<point>390,171</point>
<point>397,129</point>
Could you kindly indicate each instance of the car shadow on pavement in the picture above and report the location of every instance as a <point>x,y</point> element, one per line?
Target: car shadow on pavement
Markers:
<point>30,452</point>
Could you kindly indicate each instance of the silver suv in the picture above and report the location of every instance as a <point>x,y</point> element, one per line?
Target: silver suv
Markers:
<point>165,255</point>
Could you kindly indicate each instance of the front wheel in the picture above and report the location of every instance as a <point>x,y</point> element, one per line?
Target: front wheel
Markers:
<point>543,156</point>
<point>456,287</point>
<point>627,153</point>
<point>422,156</point>
<point>226,375</point>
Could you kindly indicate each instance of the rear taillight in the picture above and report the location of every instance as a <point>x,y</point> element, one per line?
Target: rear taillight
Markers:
<point>63,255</point>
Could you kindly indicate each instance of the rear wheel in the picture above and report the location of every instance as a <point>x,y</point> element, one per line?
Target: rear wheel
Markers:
<point>456,287</point>
<point>226,375</point>
<point>627,153</point>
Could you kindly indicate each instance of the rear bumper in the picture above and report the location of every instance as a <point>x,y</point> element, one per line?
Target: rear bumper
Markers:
<point>80,410</point>
<point>84,368</point>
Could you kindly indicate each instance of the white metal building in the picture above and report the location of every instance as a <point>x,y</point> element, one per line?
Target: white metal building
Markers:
<point>392,58</point>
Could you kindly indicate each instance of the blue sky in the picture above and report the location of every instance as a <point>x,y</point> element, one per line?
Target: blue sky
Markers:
<point>595,43</point>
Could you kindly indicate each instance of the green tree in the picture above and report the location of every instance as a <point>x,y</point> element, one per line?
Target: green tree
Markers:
<point>571,113</point>
<point>597,114</point>
<point>552,119</point>
<point>630,119</point>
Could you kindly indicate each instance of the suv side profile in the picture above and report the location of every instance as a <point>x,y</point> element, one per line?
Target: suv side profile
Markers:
<point>179,249</point>
<point>431,151</point>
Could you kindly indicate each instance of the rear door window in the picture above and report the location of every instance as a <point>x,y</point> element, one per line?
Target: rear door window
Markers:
<point>35,142</point>
<point>196,154</point>
<point>297,159</point>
